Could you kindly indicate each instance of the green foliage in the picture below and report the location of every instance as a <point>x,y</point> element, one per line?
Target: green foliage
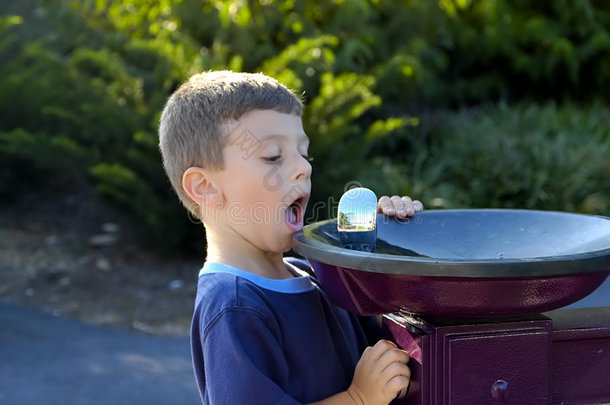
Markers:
<point>539,157</point>
<point>547,158</point>
<point>393,94</point>
<point>511,50</point>
<point>87,111</point>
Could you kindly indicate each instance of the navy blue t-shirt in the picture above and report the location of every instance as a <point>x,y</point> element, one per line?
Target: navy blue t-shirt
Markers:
<point>261,341</point>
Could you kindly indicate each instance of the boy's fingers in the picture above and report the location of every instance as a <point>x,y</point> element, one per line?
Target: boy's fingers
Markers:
<point>385,206</point>
<point>391,365</point>
<point>399,384</point>
<point>396,370</point>
<point>408,206</point>
<point>381,347</point>
<point>386,353</point>
<point>399,206</point>
<point>394,355</point>
<point>398,376</point>
<point>403,206</point>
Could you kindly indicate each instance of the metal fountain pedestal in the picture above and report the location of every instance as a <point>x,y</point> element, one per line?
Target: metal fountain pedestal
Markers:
<point>559,357</point>
<point>474,297</point>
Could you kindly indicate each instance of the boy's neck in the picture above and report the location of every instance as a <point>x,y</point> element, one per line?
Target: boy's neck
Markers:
<point>241,255</point>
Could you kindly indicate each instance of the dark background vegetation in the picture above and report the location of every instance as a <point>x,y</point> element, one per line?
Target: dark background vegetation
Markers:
<point>480,103</point>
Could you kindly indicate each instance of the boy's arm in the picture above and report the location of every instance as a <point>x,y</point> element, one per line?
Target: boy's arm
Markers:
<point>380,375</point>
<point>243,359</point>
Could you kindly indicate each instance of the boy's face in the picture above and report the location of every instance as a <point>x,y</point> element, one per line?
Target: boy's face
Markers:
<point>266,180</point>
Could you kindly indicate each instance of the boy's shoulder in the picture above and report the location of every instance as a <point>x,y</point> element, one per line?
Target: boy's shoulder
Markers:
<point>222,288</point>
<point>220,291</point>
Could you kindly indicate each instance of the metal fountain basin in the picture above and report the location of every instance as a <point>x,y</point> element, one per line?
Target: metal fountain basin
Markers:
<point>464,263</point>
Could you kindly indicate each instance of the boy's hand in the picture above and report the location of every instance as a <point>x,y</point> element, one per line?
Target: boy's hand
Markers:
<point>380,374</point>
<point>401,207</point>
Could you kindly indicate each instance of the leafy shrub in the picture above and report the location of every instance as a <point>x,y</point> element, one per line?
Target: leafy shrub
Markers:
<point>538,157</point>
<point>72,113</point>
<point>526,49</point>
<point>387,84</point>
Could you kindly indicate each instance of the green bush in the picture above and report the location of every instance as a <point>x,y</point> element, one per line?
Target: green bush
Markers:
<point>526,49</point>
<point>82,105</point>
<point>393,92</point>
<point>538,157</point>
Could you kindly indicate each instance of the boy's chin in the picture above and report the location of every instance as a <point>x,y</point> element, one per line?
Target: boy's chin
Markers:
<point>288,246</point>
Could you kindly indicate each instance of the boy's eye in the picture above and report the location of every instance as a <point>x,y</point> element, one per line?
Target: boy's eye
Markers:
<point>308,158</point>
<point>272,159</point>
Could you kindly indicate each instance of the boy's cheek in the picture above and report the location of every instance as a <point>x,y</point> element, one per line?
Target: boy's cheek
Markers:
<point>273,180</point>
<point>235,213</point>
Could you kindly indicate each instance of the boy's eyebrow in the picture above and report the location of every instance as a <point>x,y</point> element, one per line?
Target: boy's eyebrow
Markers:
<point>302,137</point>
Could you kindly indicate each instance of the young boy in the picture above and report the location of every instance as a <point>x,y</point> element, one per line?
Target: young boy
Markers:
<point>263,332</point>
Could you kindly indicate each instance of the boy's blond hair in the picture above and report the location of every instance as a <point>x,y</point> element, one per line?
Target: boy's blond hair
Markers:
<point>194,124</point>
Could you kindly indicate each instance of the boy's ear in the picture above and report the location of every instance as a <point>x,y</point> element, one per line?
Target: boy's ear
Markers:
<point>197,183</point>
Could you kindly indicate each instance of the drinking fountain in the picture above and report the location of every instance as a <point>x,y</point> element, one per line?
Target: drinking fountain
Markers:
<point>478,298</point>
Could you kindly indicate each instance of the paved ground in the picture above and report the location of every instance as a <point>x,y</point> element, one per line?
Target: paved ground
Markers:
<point>58,360</point>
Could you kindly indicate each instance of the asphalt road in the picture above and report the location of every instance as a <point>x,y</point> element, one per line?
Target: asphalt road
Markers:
<point>58,360</point>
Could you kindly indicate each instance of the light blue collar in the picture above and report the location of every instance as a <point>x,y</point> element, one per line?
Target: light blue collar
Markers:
<point>289,285</point>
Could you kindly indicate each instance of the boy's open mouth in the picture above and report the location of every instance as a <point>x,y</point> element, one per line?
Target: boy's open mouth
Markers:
<point>295,213</point>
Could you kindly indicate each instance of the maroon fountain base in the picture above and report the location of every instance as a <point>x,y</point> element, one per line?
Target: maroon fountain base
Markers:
<point>486,286</point>
<point>561,357</point>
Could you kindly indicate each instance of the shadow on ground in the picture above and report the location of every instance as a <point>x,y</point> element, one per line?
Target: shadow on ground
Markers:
<point>58,360</point>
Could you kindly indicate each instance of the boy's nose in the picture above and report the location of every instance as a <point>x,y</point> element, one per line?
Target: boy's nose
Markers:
<point>302,169</point>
